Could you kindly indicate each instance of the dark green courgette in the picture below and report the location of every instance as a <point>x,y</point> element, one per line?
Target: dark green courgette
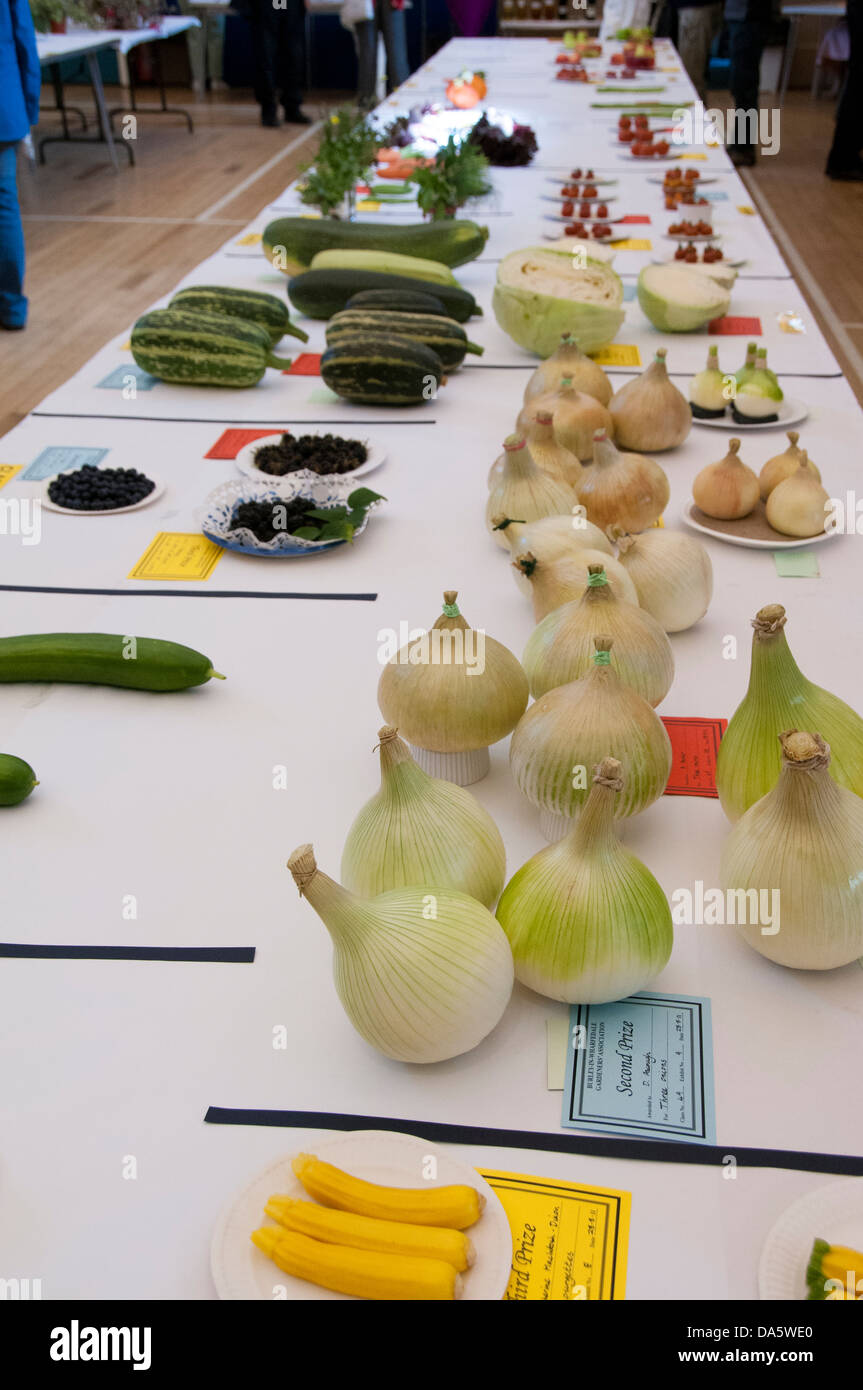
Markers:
<point>413,302</point>
<point>321,293</point>
<point>255,306</point>
<point>17,780</point>
<point>382,371</point>
<point>99,658</point>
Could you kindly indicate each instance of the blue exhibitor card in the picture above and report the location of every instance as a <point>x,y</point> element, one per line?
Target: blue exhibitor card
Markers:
<point>642,1066</point>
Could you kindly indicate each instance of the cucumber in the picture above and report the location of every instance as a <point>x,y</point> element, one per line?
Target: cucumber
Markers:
<point>321,293</point>
<point>291,243</point>
<point>17,780</point>
<point>253,305</point>
<point>382,371</point>
<point>99,658</point>
<point>444,336</point>
<point>386,263</point>
<point>408,301</point>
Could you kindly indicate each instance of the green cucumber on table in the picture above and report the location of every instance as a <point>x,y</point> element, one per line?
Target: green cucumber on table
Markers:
<point>321,293</point>
<point>255,306</point>
<point>444,336</point>
<point>382,371</point>
<point>404,301</point>
<point>291,243</point>
<point>17,780</point>
<point>100,658</point>
<point>198,349</point>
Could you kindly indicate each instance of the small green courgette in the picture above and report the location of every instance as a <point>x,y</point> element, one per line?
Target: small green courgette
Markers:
<point>17,780</point>
<point>99,658</point>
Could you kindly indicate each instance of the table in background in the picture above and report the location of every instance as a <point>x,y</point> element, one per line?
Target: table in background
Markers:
<point>795,13</point>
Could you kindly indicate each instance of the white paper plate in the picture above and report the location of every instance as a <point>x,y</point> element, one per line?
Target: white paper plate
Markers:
<point>109,511</point>
<point>241,1271</point>
<point>790,412</point>
<point>597,183</point>
<point>696,240</point>
<point>245,459</point>
<point>833,1213</point>
<point>605,198</point>
<point>649,159</point>
<point>749,542</point>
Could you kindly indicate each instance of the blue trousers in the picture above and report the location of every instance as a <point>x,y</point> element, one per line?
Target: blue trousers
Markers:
<point>13,305</point>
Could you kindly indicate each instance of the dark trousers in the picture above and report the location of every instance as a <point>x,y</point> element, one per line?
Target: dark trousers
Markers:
<point>391,23</point>
<point>746,42</point>
<point>279,51</point>
<point>848,137</point>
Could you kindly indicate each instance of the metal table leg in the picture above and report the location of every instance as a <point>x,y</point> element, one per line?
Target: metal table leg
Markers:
<point>106,137</point>
<point>788,57</point>
<point>60,104</point>
<point>163,108</point>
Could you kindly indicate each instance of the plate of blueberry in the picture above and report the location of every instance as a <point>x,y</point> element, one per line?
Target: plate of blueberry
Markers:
<point>97,491</point>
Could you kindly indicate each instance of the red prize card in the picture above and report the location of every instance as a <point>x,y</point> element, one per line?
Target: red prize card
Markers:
<point>307,364</point>
<point>737,327</point>
<point>633,218</point>
<point>694,746</point>
<point>229,444</point>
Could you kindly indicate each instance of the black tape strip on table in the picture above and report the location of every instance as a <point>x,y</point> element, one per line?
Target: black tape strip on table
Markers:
<point>645,1150</point>
<point>230,955</point>
<point>184,593</point>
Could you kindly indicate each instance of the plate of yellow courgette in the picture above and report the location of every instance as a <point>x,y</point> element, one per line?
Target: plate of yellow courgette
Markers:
<point>368,1214</point>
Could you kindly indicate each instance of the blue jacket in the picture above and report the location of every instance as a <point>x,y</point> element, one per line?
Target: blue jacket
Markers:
<point>20,74</point>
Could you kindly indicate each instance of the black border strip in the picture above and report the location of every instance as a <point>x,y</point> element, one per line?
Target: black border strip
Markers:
<point>236,955</point>
<point>648,1151</point>
<point>280,422</point>
<point>183,593</point>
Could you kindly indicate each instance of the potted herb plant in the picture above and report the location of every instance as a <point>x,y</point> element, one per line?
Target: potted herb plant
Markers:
<point>346,150</point>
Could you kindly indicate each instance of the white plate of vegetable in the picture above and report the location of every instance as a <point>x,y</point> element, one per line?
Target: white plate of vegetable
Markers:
<point>241,1269</point>
<point>246,458</point>
<point>833,1216</point>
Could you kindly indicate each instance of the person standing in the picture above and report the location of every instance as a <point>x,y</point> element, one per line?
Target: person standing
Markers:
<point>388,19</point>
<point>844,161</point>
<point>748,30</point>
<point>698,23</point>
<point>278,30</point>
<point>20,84</point>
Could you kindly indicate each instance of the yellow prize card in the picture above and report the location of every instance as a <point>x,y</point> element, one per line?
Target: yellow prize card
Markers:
<point>569,1241</point>
<point>250,239</point>
<point>8,471</point>
<point>633,244</point>
<point>178,555</point>
<point>618,355</point>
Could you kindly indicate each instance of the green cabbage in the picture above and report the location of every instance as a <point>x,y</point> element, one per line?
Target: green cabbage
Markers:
<point>541,294</point>
<point>679,299</point>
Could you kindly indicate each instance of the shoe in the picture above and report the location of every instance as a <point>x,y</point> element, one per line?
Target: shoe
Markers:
<point>852,175</point>
<point>270,117</point>
<point>294,116</point>
<point>12,327</point>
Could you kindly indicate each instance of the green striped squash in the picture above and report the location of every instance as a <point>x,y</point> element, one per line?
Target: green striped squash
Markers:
<point>203,349</point>
<point>382,371</point>
<point>446,337</point>
<point>253,305</point>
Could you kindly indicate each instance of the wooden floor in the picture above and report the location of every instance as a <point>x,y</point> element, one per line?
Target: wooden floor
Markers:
<point>102,246</point>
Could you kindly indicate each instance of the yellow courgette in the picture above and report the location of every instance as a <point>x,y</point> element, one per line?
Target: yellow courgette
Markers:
<point>457,1206</point>
<point>360,1273</point>
<point>368,1233</point>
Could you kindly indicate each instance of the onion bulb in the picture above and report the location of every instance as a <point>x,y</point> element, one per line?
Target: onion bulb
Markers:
<point>549,454</point>
<point>421,830</point>
<point>649,412</point>
<point>586,920</point>
<point>758,391</point>
<point>781,466</point>
<point>799,505</point>
<point>522,490</point>
<point>453,691</point>
<point>727,490</point>
<point>423,973</point>
<point>779,696</point>
<point>626,490</point>
<point>576,417</point>
<point>561,648</point>
<point>672,574</point>
<point>565,731</point>
<point>795,862</point>
<point>568,360</point>
<point>707,398</point>
<point>561,581</point>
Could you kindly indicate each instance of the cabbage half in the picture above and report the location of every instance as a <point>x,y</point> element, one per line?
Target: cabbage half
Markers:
<point>540,294</point>
<point>680,300</point>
